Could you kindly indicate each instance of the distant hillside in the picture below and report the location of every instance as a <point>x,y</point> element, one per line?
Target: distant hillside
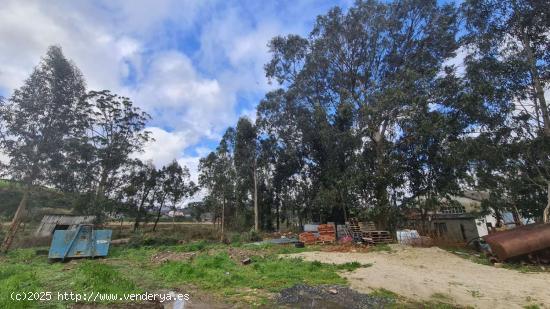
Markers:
<point>42,200</point>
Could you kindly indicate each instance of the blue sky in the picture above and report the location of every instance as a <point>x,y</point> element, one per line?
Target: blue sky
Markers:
<point>195,66</point>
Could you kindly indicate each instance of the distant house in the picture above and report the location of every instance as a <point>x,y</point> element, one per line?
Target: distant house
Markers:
<point>51,223</point>
<point>180,213</point>
<point>459,220</point>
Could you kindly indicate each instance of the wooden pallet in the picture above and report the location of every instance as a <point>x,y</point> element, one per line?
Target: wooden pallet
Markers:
<point>356,233</point>
<point>369,236</point>
<point>369,226</point>
<point>379,237</point>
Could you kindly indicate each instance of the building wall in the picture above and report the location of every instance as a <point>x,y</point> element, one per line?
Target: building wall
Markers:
<point>454,230</point>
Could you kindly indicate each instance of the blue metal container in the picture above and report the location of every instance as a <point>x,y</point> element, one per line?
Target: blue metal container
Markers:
<point>84,241</point>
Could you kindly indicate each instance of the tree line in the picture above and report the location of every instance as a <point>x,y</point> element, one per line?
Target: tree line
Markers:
<point>59,136</point>
<point>371,117</point>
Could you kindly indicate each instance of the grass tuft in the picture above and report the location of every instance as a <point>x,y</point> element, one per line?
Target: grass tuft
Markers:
<point>93,276</point>
<point>351,266</point>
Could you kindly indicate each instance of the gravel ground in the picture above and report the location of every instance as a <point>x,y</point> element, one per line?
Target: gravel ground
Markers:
<point>328,296</point>
<point>427,274</point>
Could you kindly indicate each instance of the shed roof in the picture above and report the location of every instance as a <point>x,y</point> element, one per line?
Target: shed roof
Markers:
<point>49,222</point>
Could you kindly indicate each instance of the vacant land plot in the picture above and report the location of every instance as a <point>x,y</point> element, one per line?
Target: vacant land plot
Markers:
<point>435,274</point>
<point>211,273</point>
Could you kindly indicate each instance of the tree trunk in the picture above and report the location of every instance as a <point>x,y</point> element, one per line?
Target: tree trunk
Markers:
<point>278,214</point>
<point>546,213</point>
<point>121,226</point>
<point>100,192</point>
<point>140,210</point>
<point>343,206</point>
<point>16,221</point>
<point>138,218</point>
<point>256,218</point>
<point>158,216</point>
<point>174,218</point>
<point>223,218</point>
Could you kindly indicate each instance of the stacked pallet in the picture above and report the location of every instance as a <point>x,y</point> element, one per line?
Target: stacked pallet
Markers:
<point>326,233</point>
<point>368,236</point>
<point>307,238</point>
<point>379,237</point>
<point>369,226</point>
<point>356,232</point>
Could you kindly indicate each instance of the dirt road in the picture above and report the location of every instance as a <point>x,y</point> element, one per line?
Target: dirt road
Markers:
<point>435,274</point>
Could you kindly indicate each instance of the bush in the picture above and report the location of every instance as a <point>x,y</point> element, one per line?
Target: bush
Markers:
<point>235,238</point>
<point>194,246</point>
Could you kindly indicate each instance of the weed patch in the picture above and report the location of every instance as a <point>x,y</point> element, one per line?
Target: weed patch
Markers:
<point>381,248</point>
<point>351,266</point>
<point>17,279</point>
<point>92,276</point>
<point>219,272</point>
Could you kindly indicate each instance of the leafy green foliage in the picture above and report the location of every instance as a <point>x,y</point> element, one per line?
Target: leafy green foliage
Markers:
<point>507,72</point>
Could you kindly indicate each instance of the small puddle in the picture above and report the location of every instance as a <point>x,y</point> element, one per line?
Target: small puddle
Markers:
<point>177,304</point>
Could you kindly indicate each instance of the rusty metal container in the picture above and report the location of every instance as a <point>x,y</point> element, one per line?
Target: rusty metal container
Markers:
<point>519,241</point>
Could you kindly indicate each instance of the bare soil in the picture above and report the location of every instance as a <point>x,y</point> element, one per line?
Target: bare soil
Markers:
<point>433,274</point>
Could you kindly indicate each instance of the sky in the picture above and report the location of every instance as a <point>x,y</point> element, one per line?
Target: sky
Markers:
<point>194,66</point>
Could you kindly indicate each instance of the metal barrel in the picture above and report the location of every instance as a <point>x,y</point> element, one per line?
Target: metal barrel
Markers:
<point>519,241</point>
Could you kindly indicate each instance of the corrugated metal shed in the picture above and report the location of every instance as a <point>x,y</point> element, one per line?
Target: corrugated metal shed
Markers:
<point>50,223</point>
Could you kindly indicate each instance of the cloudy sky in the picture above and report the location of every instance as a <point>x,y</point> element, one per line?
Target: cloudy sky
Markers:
<point>195,66</point>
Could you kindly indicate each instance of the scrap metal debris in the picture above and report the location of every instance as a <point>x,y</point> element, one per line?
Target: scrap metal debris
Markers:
<point>519,241</point>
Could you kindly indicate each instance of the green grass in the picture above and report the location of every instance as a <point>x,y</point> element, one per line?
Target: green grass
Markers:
<point>130,270</point>
<point>220,273</point>
<point>24,271</point>
<point>442,297</point>
<point>92,276</point>
<point>383,293</point>
<point>15,278</point>
<point>395,301</point>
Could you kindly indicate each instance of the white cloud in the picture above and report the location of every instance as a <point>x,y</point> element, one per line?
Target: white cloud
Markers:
<point>166,147</point>
<point>178,97</point>
<point>134,48</point>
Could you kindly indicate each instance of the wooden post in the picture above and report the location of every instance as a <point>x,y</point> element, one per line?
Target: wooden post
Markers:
<point>17,218</point>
